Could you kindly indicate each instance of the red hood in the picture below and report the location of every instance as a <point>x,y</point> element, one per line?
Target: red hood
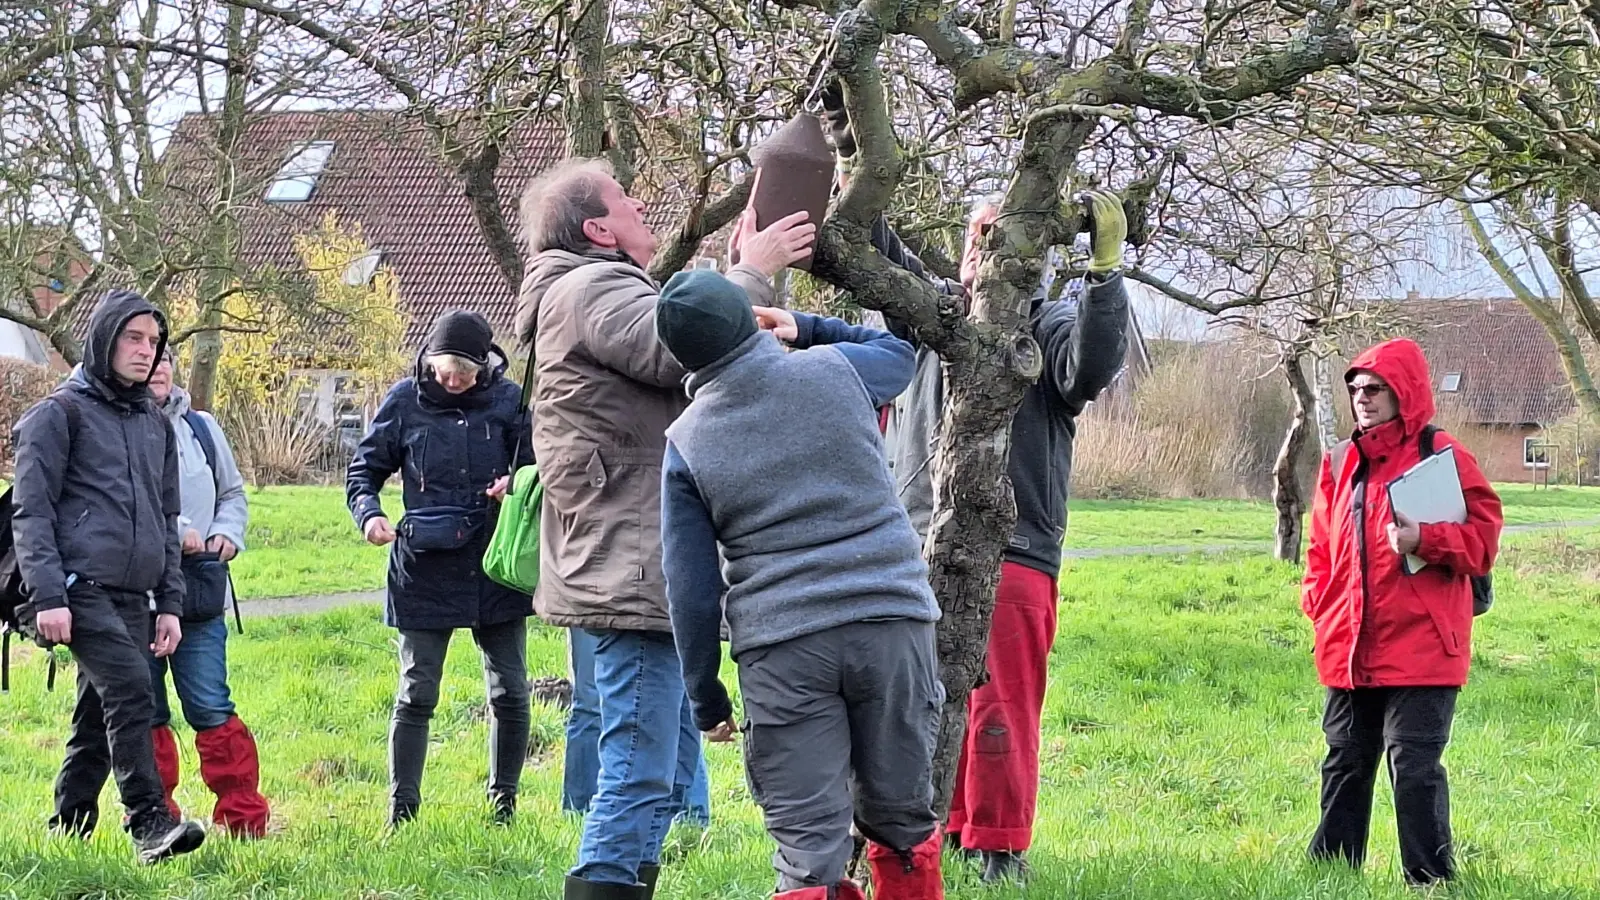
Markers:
<point>1400,363</point>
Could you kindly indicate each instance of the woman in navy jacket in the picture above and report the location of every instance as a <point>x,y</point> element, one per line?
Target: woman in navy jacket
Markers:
<point>450,431</point>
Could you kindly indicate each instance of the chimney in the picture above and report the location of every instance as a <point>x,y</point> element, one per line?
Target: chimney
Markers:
<point>1412,296</point>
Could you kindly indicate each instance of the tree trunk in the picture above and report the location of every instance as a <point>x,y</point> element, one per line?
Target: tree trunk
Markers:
<point>1287,495</point>
<point>477,173</point>
<point>584,107</point>
<point>1327,413</point>
<point>974,509</point>
<point>224,227</point>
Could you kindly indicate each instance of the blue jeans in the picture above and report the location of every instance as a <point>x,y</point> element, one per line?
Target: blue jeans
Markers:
<point>645,769</point>
<point>583,741</point>
<point>200,675</point>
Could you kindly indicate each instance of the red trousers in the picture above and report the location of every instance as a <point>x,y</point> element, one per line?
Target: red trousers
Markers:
<point>997,782</point>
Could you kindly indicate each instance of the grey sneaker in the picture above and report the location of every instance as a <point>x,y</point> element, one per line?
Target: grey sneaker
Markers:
<point>161,837</point>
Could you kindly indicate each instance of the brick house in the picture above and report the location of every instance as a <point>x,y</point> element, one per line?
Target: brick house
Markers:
<point>1497,378</point>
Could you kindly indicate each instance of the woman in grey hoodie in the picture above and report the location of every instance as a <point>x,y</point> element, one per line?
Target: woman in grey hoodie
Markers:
<point>212,526</point>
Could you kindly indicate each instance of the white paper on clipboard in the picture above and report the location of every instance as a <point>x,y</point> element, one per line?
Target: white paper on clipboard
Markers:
<point>1429,492</point>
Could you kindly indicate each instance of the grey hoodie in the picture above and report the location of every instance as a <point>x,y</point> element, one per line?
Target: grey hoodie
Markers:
<point>206,509</point>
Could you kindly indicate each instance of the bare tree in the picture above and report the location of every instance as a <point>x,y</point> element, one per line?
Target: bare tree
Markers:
<point>1110,77</point>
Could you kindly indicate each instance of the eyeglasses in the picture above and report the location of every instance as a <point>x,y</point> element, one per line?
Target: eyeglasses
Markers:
<point>1367,390</point>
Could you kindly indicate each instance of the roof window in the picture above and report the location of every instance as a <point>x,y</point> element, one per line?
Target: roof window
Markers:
<point>298,177</point>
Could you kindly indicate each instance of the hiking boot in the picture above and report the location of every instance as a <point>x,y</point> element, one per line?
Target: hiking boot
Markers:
<point>1003,865</point>
<point>578,889</point>
<point>160,837</point>
<point>505,808</point>
<point>76,823</point>
<point>400,814</point>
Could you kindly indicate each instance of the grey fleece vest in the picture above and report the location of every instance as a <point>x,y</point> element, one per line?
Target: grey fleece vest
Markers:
<point>785,450</point>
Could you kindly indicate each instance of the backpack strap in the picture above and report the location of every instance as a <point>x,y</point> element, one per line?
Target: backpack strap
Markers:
<point>1336,457</point>
<point>1425,440</point>
<point>208,443</point>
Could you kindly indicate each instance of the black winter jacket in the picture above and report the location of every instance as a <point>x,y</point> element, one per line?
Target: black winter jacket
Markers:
<point>96,491</point>
<point>448,450</point>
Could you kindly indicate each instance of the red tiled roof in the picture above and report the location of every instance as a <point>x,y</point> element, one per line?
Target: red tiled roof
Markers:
<point>385,173</point>
<point>1510,372</point>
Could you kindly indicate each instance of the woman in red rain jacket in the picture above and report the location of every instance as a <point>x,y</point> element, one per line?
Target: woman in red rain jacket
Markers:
<point>1392,648</point>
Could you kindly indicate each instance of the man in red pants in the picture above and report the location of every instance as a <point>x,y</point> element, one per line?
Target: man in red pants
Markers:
<point>1084,340</point>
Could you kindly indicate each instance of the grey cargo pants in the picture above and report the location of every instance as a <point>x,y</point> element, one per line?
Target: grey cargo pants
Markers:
<point>841,724</point>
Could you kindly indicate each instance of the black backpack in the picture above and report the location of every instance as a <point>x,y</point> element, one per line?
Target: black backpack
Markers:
<point>1482,585</point>
<point>15,617</point>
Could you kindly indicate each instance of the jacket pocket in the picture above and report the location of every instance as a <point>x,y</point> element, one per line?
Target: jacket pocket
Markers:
<point>1429,595</point>
<point>416,456</point>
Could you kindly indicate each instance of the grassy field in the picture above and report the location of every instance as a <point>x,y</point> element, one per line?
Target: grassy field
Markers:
<point>303,543</point>
<point>1181,754</point>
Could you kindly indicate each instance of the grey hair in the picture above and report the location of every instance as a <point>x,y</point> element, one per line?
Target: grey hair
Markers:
<point>450,363</point>
<point>984,204</point>
<point>557,203</point>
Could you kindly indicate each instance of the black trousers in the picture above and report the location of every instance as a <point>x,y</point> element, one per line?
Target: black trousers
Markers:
<point>505,675</point>
<point>1411,726</point>
<point>111,721</point>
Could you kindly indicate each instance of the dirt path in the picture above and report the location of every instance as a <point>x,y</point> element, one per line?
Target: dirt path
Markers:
<point>301,605</point>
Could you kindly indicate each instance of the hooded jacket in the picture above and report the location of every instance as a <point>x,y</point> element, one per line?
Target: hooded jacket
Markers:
<point>213,503</point>
<point>448,449</point>
<point>96,495</point>
<point>605,390</point>
<point>1377,626</point>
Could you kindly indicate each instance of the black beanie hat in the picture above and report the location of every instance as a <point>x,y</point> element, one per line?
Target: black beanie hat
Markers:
<point>461,333</point>
<point>702,317</point>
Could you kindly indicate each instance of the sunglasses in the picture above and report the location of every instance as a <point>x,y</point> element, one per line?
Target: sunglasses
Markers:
<point>1367,390</point>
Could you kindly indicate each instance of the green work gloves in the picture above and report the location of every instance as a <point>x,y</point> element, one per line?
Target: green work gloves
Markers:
<point>1110,231</point>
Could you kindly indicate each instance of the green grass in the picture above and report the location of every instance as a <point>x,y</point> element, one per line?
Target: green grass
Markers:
<point>1099,524</point>
<point>1180,758</point>
<point>301,542</point>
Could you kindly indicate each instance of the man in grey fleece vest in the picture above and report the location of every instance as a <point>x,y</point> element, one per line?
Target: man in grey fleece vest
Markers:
<point>778,463</point>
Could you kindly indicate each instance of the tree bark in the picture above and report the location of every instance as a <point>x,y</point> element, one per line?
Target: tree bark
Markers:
<point>477,172</point>
<point>224,241</point>
<point>1327,413</point>
<point>584,107</point>
<point>1287,496</point>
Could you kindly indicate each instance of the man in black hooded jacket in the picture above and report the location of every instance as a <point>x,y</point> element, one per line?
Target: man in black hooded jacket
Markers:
<point>95,524</point>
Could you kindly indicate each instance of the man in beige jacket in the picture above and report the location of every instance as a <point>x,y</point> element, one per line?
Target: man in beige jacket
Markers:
<point>605,392</point>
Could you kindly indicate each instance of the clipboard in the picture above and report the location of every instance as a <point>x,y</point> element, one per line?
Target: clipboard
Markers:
<point>1429,492</point>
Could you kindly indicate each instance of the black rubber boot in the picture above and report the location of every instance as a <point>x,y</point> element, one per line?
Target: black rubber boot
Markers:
<point>1001,866</point>
<point>649,874</point>
<point>578,889</point>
